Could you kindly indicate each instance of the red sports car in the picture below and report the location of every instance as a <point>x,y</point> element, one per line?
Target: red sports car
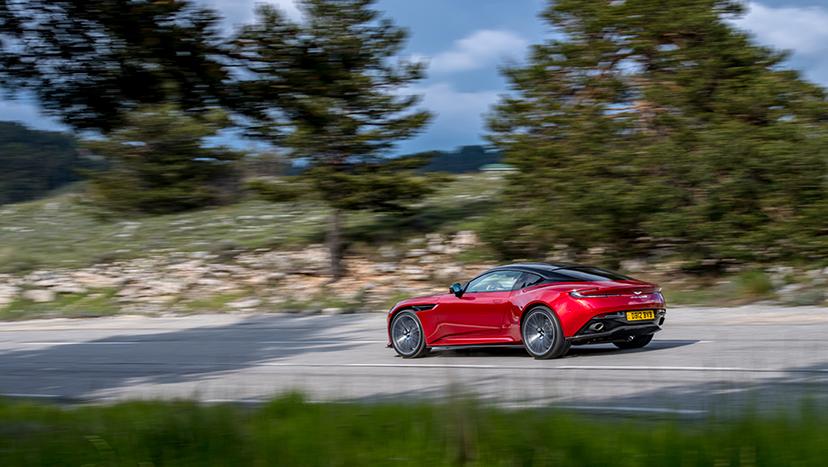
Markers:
<point>544,307</point>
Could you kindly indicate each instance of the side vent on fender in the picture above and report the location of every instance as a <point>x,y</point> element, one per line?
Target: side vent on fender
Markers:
<point>423,307</point>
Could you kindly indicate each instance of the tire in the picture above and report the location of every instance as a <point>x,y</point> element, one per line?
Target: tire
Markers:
<point>542,334</point>
<point>407,335</point>
<point>636,342</point>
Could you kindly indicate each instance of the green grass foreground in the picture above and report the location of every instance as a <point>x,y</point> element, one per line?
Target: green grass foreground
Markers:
<point>291,432</point>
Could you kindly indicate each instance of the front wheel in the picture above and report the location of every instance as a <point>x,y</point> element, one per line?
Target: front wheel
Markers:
<point>634,342</point>
<point>407,335</point>
<point>542,334</point>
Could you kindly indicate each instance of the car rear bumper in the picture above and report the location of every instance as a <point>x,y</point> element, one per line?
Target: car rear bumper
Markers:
<point>615,327</point>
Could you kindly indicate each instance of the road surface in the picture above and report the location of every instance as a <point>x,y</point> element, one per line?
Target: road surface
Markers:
<point>707,360</point>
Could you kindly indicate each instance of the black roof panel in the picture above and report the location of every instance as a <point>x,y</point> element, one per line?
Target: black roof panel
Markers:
<point>541,269</point>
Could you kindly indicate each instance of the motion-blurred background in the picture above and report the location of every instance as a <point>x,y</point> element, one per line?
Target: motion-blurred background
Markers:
<point>164,156</point>
<point>287,162</point>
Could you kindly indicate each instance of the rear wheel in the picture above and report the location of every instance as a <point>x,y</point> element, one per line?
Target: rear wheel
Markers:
<point>634,342</point>
<point>542,334</point>
<point>407,335</point>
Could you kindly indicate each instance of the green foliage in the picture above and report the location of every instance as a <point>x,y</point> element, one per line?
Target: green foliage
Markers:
<point>281,190</point>
<point>756,283</point>
<point>14,261</point>
<point>29,238</point>
<point>387,186</point>
<point>33,163</point>
<point>93,63</point>
<point>642,125</point>
<point>159,163</point>
<point>94,303</point>
<point>290,431</point>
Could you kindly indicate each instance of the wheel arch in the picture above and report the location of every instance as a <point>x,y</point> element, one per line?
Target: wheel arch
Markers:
<point>392,315</point>
<point>415,309</point>
<point>533,304</point>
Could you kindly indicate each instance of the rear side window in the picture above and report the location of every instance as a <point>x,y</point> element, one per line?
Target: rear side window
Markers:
<point>528,280</point>
<point>590,274</point>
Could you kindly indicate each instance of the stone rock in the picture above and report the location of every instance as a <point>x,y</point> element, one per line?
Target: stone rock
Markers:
<point>39,295</point>
<point>465,239</point>
<point>69,288</point>
<point>430,259</point>
<point>210,282</point>
<point>634,265</point>
<point>96,280</point>
<point>448,273</point>
<point>789,289</point>
<point>388,251</point>
<point>416,241</point>
<point>416,253</point>
<point>7,294</point>
<point>434,238</point>
<point>385,268</point>
<point>437,248</point>
<point>258,280</point>
<point>245,303</point>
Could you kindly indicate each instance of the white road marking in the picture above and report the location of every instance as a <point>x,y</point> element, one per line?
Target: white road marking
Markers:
<point>562,367</point>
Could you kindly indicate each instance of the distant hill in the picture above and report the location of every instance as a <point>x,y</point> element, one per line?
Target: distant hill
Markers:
<point>465,159</point>
<point>462,160</point>
<point>33,162</point>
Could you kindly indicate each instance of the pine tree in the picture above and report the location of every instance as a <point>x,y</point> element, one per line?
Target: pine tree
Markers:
<point>646,122</point>
<point>91,63</point>
<point>329,89</point>
<point>159,163</point>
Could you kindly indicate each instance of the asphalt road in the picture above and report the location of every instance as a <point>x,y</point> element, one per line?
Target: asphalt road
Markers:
<point>707,360</point>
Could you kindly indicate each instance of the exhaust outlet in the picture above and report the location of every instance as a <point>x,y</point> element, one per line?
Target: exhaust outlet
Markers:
<point>597,327</point>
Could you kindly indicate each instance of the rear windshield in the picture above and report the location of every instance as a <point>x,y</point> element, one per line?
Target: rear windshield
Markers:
<point>590,274</point>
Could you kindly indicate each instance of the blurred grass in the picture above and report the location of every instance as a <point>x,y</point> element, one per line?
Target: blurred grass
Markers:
<point>94,303</point>
<point>740,289</point>
<point>61,231</point>
<point>289,431</point>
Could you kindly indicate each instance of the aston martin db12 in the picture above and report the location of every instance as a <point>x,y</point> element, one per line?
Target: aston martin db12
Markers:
<point>544,307</point>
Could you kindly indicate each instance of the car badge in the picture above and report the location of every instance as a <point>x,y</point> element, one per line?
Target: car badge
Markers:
<point>637,292</point>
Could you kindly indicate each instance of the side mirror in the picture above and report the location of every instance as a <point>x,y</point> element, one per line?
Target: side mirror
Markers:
<point>456,289</point>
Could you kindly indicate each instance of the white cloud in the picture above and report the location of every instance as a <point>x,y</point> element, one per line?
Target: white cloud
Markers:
<point>801,29</point>
<point>481,49</point>
<point>458,114</point>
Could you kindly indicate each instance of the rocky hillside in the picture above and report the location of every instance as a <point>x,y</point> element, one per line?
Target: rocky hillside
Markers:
<point>296,281</point>
<point>58,259</point>
<point>262,280</point>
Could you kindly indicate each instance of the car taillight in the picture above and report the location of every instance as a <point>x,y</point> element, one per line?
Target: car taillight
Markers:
<point>589,294</point>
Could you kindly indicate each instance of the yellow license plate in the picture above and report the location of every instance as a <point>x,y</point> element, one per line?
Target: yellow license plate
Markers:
<point>640,315</point>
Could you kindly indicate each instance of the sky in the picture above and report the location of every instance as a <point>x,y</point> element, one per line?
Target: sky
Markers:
<point>465,42</point>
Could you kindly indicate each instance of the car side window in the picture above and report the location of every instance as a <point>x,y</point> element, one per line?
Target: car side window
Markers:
<point>528,280</point>
<point>498,281</point>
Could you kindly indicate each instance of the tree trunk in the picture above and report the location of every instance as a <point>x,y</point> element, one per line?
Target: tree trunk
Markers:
<point>335,245</point>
